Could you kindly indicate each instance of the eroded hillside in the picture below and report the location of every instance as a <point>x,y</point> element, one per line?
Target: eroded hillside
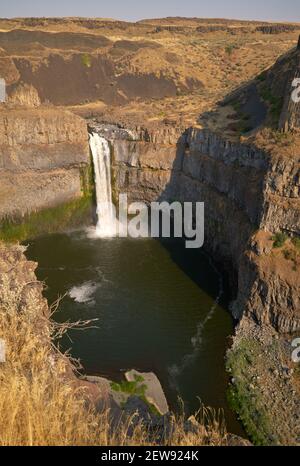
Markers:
<point>173,68</point>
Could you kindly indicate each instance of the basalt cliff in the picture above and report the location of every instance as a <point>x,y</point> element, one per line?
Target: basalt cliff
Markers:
<point>246,190</point>
<point>43,153</point>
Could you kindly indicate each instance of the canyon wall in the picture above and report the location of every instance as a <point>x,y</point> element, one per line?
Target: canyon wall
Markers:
<point>43,153</point>
<point>245,190</point>
<point>44,158</point>
<point>268,286</point>
<point>281,190</point>
<point>169,163</point>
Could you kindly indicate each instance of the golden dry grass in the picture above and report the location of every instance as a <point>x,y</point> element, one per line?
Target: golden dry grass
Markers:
<point>39,403</point>
<point>220,60</point>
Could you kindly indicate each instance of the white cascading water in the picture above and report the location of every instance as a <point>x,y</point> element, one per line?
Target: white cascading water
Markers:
<point>106,225</point>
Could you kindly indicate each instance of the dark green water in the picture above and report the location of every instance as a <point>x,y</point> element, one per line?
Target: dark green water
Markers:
<point>161,308</point>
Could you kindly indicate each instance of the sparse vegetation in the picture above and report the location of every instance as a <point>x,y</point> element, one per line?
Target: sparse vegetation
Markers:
<point>283,138</point>
<point>275,102</point>
<point>53,219</point>
<point>236,106</point>
<point>211,58</point>
<point>229,49</point>
<point>297,373</point>
<point>135,387</point>
<point>279,239</point>
<point>243,397</point>
<point>244,127</point>
<point>86,60</point>
<point>288,254</point>
<point>292,253</point>
<point>262,77</point>
<point>296,242</point>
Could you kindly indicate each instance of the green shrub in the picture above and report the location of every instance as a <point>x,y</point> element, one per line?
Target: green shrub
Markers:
<point>275,102</point>
<point>131,388</point>
<point>134,387</point>
<point>288,254</point>
<point>236,106</point>
<point>229,49</point>
<point>279,239</point>
<point>262,77</point>
<point>86,60</point>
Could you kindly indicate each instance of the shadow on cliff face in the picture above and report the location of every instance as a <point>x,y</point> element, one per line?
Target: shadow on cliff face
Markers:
<point>212,266</point>
<point>257,103</point>
<point>213,165</point>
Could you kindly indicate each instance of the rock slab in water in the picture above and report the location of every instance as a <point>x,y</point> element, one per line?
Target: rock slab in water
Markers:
<point>154,393</point>
<point>147,387</point>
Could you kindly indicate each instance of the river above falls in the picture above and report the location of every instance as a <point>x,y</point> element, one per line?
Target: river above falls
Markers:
<point>160,308</point>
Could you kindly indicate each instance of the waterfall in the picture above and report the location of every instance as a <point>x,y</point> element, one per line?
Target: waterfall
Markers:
<point>106,224</point>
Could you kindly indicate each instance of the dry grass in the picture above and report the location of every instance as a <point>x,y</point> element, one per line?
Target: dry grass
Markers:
<point>41,405</point>
<point>220,61</point>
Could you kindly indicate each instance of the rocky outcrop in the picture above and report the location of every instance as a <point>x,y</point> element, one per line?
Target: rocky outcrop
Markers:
<point>25,95</point>
<point>228,177</point>
<point>277,28</point>
<point>151,387</point>
<point>281,191</point>
<point>17,277</point>
<point>140,395</point>
<point>290,116</point>
<point>42,153</point>
<point>268,286</point>
<point>264,386</point>
<point>8,69</point>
